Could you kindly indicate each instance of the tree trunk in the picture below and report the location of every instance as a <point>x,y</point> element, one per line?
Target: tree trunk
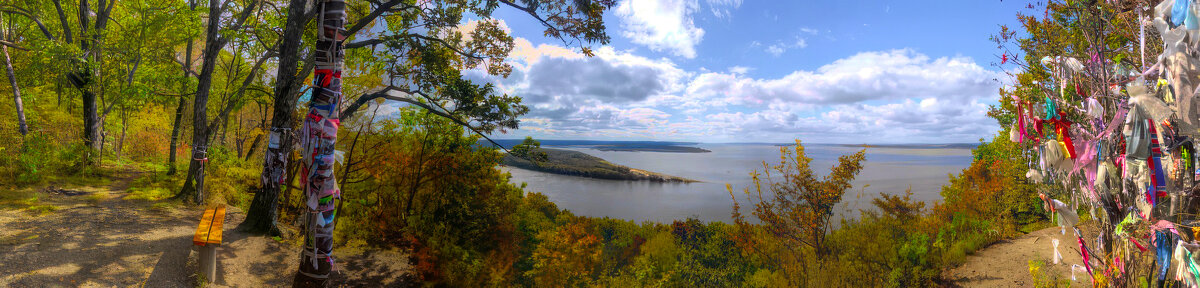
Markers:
<point>187,64</point>
<point>253,145</point>
<point>91,125</point>
<point>319,136</point>
<point>12,79</point>
<point>264,213</point>
<point>84,77</point>
<point>121,141</point>
<point>212,47</point>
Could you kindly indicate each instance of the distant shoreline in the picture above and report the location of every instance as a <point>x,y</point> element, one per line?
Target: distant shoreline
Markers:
<point>899,146</point>
<point>574,163</point>
<point>662,148</point>
<point>690,147</point>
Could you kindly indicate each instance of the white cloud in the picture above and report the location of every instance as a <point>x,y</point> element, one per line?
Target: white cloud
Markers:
<point>891,75</point>
<point>723,8</point>
<point>876,97</point>
<point>779,48</point>
<point>661,25</point>
<point>739,69</point>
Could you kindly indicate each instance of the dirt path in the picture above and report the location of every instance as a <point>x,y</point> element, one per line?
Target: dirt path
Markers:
<point>1006,264</point>
<point>96,238</point>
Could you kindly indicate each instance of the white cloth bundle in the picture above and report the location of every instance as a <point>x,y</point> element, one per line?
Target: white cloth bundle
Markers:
<point>1034,175</point>
<point>1077,268</point>
<point>1154,108</point>
<point>1057,255</point>
<point>1055,156</point>
<point>1067,67</point>
<point>1094,109</point>
<point>1066,215</point>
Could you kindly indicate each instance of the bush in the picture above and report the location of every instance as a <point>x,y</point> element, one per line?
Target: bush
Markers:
<point>35,157</point>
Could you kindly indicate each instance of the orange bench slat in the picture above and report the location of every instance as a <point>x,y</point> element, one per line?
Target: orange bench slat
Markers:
<point>210,229</point>
<point>214,233</point>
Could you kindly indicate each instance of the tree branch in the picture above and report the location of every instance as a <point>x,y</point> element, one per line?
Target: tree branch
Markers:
<point>241,19</point>
<point>185,67</point>
<point>62,20</point>
<point>362,22</point>
<point>444,43</point>
<point>444,113</point>
<point>23,12</point>
<point>364,43</point>
<point>241,91</point>
<point>533,12</point>
<point>13,45</point>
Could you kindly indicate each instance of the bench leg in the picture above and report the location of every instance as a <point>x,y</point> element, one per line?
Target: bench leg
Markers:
<point>208,262</point>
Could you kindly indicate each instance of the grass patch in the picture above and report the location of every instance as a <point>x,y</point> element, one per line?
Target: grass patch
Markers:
<point>95,198</point>
<point>18,199</point>
<point>1040,279</point>
<point>77,180</point>
<point>17,239</point>
<point>1035,226</point>
<point>149,194</point>
<point>43,209</point>
<point>155,186</point>
<point>165,207</point>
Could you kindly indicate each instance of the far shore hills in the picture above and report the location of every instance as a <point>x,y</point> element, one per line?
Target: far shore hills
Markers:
<point>575,163</point>
<point>627,146</point>
<point>690,147</point>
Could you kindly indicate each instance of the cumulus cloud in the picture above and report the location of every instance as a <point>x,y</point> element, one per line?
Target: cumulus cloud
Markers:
<point>891,75</point>
<point>874,97</point>
<point>661,25</point>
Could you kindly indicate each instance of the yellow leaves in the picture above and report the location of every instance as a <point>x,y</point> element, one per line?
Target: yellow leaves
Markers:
<point>798,208</point>
<point>566,255</point>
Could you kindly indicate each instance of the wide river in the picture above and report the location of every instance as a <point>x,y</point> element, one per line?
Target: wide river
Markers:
<point>888,170</point>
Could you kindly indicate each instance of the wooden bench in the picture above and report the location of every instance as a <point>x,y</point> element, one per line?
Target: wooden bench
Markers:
<point>208,238</point>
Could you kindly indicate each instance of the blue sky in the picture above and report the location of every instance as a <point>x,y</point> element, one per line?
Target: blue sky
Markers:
<point>766,71</point>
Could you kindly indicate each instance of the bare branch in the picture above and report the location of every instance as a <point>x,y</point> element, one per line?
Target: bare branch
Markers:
<point>364,43</point>
<point>62,20</point>
<point>23,12</point>
<point>446,44</point>
<point>241,90</point>
<point>185,67</point>
<point>443,112</point>
<point>13,45</point>
<point>443,43</point>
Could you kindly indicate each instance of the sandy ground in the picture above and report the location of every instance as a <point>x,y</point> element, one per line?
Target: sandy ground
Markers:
<point>112,242</point>
<point>1006,263</point>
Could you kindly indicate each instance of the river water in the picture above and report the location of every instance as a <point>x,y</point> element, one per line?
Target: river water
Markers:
<point>888,170</point>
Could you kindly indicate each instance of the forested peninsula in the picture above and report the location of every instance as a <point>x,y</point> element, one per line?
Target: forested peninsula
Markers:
<point>574,163</point>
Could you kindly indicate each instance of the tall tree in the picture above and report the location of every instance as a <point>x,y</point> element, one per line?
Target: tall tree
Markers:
<point>425,50</point>
<point>263,209</point>
<point>798,208</point>
<point>213,44</point>
<point>177,123</point>
<point>319,134</point>
<point>95,58</point>
<point>12,79</point>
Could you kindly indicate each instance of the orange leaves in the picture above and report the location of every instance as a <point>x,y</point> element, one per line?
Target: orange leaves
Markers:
<point>566,256</point>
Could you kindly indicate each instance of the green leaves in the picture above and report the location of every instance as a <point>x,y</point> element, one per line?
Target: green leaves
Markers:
<point>529,149</point>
